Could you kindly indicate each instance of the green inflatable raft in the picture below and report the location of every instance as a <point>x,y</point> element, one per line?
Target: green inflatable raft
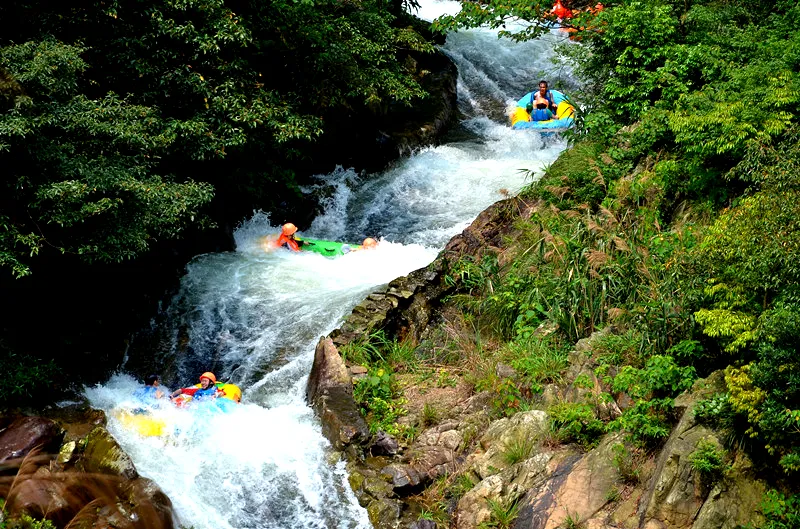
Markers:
<point>326,248</point>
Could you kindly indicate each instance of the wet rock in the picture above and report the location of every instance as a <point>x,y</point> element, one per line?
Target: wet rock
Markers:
<point>402,476</point>
<point>103,455</point>
<point>384,513</point>
<point>38,495</point>
<point>328,371</point>
<point>330,393</point>
<point>26,433</point>
<point>67,451</point>
<point>152,507</point>
<point>423,524</point>
<point>384,444</point>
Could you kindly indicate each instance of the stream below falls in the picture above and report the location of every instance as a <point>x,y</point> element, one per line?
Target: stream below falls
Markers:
<point>255,317</point>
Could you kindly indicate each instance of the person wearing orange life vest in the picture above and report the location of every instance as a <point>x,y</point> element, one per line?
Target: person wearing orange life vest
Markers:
<point>287,237</point>
<point>207,390</point>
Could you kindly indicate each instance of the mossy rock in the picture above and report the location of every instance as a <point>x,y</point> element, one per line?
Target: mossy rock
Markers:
<point>104,455</point>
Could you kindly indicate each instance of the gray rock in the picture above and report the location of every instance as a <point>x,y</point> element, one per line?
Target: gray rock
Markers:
<point>330,394</point>
<point>384,444</point>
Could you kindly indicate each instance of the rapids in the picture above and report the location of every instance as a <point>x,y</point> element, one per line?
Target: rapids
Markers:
<point>255,317</point>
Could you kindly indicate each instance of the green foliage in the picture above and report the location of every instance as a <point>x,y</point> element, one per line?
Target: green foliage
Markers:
<point>26,378</point>
<point>507,398</point>
<point>652,388</point>
<point>430,415</point>
<point>780,510</point>
<point>108,109</point>
<point>575,178</point>
<point>470,276</point>
<point>628,462</point>
<point>23,522</point>
<point>502,514</point>
<point>576,422</point>
<point>713,410</point>
<point>708,461</point>
<point>540,360</point>
<point>378,400</point>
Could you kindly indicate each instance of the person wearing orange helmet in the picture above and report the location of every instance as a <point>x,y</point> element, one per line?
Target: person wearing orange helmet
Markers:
<point>207,388</point>
<point>287,237</point>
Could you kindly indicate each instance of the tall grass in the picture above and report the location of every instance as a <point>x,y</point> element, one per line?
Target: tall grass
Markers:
<point>96,498</point>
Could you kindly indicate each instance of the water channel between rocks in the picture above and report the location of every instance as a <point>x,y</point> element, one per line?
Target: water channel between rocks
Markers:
<point>256,317</point>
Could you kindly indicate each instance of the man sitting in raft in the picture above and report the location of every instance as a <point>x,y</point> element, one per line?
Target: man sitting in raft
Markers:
<point>207,389</point>
<point>541,106</point>
<point>150,391</point>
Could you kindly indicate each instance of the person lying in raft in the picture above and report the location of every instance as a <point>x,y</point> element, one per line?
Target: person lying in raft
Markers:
<point>207,390</point>
<point>287,238</point>
<point>542,107</point>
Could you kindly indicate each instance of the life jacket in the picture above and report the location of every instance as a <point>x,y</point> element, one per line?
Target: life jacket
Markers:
<point>201,393</point>
<point>289,242</point>
<point>541,114</point>
<point>537,98</point>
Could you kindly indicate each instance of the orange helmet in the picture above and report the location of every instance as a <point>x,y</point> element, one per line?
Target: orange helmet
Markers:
<point>288,229</point>
<point>369,242</point>
<point>209,375</point>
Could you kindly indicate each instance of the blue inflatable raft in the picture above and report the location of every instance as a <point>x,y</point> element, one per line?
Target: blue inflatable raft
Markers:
<point>520,119</point>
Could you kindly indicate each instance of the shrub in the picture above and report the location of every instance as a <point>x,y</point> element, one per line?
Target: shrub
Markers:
<point>502,514</point>
<point>707,461</point>
<point>538,359</point>
<point>26,378</point>
<point>575,422</point>
<point>375,394</point>
<point>781,511</point>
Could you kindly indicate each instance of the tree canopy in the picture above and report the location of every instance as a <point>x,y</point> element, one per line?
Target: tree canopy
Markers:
<point>109,109</point>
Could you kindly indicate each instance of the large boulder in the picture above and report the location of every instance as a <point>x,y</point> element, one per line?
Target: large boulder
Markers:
<point>501,436</point>
<point>38,495</point>
<point>330,394</point>
<point>677,497</point>
<point>577,490</point>
<point>102,454</point>
<point>26,433</point>
<point>504,488</point>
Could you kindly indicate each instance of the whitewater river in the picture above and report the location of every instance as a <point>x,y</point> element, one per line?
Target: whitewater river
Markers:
<point>255,317</point>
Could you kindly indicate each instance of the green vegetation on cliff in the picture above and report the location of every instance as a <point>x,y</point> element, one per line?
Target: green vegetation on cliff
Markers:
<point>119,120</point>
<point>673,222</point>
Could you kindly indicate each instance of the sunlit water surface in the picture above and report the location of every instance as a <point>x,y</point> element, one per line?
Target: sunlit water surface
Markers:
<point>255,317</point>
